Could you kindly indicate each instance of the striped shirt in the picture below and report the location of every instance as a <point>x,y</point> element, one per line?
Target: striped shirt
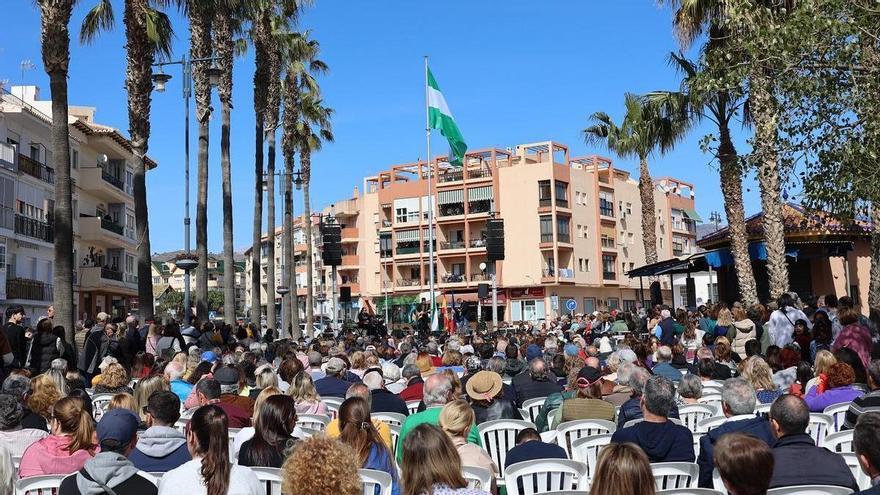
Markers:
<point>869,402</point>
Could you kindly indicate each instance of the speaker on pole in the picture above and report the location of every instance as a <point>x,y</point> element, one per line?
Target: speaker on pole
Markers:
<point>656,294</point>
<point>483,291</point>
<point>495,239</point>
<point>331,236</point>
<point>691,292</point>
<point>345,294</point>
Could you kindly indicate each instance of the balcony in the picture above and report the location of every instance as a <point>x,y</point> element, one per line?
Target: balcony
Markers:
<point>544,202</point>
<point>609,275</point>
<point>453,278</point>
<point>477,207</point>
<point>33,228</point>
<point>608,243</point>
<point>451,210</point>
<point>104,185</point>
<point>350,260</point>
<point>29,166</point>
<point>386,253</point>
<point>546,237</point>
<point>446,246</point>
<point>478,243</point>
<point>408,282</point>
<point>450,176</point>
<point>562,203</point>
<point>479,173</point>
<point>104,279</point>
<point>566,275</point>
<point>102,231</point>
<point>563,237</point>
<point>32,290</point>
<point>350,234</point>
<point>481,277</point>
<point>407,250</point>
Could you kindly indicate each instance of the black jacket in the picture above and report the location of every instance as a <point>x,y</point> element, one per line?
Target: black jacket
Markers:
<point>527,387</point>
<point>44,348</point>
<point>499,409</point>
<point>18,342</point>
<point>385,401</point>
<point>797,461</point>
<point>97,346</point>
<point>757,427</point>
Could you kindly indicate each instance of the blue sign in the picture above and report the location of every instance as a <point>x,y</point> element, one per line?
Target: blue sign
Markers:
<point>571,304</point>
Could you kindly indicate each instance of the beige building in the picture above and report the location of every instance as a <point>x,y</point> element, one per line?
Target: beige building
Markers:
<point>166,273</point>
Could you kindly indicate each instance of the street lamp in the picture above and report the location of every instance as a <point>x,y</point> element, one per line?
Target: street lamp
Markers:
<point>160,80</point>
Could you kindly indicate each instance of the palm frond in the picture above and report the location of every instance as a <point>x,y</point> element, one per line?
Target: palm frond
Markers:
<point>159,31</point>
<point>99,18</point>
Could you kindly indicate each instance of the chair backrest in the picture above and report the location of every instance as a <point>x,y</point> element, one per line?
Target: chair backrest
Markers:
<point>313,421</point>
<point>820,426</point>
<point>390,418</point>
<point>862,479</point>
<point>691,414</point>
<point>697,437</point>
<point>413,406</point>
<point>545,475</point>
<point>669,475</point>
<point>395,436</point>
<point>40,485</point>
<point>371,478</point>
<point>762,408</point>
<point>572,430</point>
<point>706,425</point>
<point>478,478</point>
<point>232,453</point>
<point>717,482</point>
<point>499,436</point>
<point>333,405</point>
<point>587,449</point>
<point>840,442</point>
<point>99,404</point>
<point>838,414</point>
<point>270,477</point>
<point>713,400</point>
<point>691,491</point>
<point>810,490</point>
<point>533,407</point>
<point>16,462</point>
<point>180,424</point>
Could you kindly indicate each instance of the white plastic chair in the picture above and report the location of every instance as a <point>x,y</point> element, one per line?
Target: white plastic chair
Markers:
<point>691,491</point>
<point>371,478</point>
<point>333,405</point>
<point>233,455</point>
<point>16,462</point>
<point>587,449</point>
<point>838,414</point>
<point>499,436</point>
<point>691,414</point>
<point>395,436</point>
<point>313,421</point>
<point>840,442</point>
<point>99,404</point>
<point>820,426</point>
<point>669,475</point>
<point>717,482</point>
<point>697,437</point>
<point>810,490</point>
<point>533,407</point>
<point>572,430</point>
<point>180,425</point>
<point>706,425</point>
<point>545,475</point>
<point>390,418</point>
<point>762,408</point>
<point>413,406</point>
<point>862,479</point>
<point>271,477</point>
<point>478,478</point>
<point>39,485</point>
<point>713,400</point>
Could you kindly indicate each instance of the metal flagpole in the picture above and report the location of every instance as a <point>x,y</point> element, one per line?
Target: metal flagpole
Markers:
<point>430,199</point>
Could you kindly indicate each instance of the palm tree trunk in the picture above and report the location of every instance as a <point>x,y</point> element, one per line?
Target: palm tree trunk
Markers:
<point>649,220</point>
<point>224,50</point>
<point>305,161</point>
<point>270,227</point>
<point>766,120</point>
<point>874,287</point>
<point>290,272</point>
<point>731,191</point>
<point>55,39</point>
<point>256,250</point>
<point>200,20</point>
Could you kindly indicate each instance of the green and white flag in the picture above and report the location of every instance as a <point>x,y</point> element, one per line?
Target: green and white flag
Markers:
<point>439,117</point>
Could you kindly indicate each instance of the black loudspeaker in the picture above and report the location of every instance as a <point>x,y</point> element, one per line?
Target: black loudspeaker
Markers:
<point>495,239</point>
<point>656,294</point>
<point>483,291</point>
<point>691,293</point>
<point>345,294</point>
<point>332,239</point>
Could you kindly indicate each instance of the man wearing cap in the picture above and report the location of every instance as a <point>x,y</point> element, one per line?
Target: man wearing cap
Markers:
<point>229,379</point>
<point>333,385</point>
<point>161,447</point>
<point>539,381</point>
<point>208,391</point>
<point>382,400</point>
<point>174,376</point>
<point>110,471</point>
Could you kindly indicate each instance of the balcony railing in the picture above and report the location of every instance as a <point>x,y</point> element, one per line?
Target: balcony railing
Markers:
<point>452,245</point>
<point>407,249</point>
<point>36,169</point>
<point>34,290</point>
<point>408,282</point>
<point>479,173</point>
<point>452,209</point>
<point>131,278</point>
<point>110,274</point>
<point>608,243</point>
<point>609,275</point>
<point>112,180</point>
<point>386,253</point>
<point>454,277</point>
<point>563,237</point>
<point>450,177</point>
<point>561,202</point>
<point>31,227</point>
<point>108,224</point>
<point>475,207</point>
<point>544,202</point>
<point>548,272</point>
<point>547,237</point>
<point>481,277</point>
<point>566,273</point>
<point>478,243</point>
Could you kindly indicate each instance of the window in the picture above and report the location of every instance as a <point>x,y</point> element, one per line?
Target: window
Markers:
<point>544,196</point>
<point>589,305</point>
<point>74,158</point>
<point>631,238</point>
<point>606,204</point>
<point>587,264</point>
<point>682,295</point>
<point>613,303</point>
<point>607,240</point>
<point>129,182</point>
<point>3,254</point>
<point>632,266</point>
<point>677,246</point>
<point>581,265</point>
<point>530,310</point>
<point>623,268</point>
<point>580,230</point>
<point>458,268</point>
<point>628,208</point>
<point>713,292</point>
<point>157,280</point>
<point>608,262</point>
<point>546,228</point>
<point>561,194</point>
<point>629,305</point>
<point>562,229</point>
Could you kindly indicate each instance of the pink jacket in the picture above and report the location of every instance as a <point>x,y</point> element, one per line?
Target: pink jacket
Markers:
<point>857,338</point>
<point>50,456</point>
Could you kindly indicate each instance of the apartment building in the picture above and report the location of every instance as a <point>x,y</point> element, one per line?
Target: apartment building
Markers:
<point>105,274</point>
<point>166,274</point>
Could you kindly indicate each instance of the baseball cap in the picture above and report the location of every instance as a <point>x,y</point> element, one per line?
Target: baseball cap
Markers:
<point>227,376</point>
<point>588,376</point>
<point>335,365</point>
<point>533,352</point>
<point>117,425</point>
<point>209,356</point>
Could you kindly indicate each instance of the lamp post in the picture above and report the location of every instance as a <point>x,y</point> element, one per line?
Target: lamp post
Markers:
<point>160,81</point>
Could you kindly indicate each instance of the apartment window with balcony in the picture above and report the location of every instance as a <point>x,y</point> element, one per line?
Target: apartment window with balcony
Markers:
<point>623,268</point>
<point>35,152</point>
<point>606,204</point>
<point>561,194</point>
<point>607,240</point>
<point>544,194</point>
<point>608,264</point>
<point>546,228</point>
<point>678,219</point>
<point>451,202</point>
<point>563,233</point>
<point>677,247</point>
<point>385,246</point>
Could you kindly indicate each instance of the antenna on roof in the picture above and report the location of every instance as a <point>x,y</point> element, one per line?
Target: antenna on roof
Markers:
<point>26,65</point>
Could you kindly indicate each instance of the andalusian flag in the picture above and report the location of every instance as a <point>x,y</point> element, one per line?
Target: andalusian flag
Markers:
<point>439,117</point>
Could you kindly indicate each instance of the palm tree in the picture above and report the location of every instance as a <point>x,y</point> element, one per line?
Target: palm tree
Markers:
<point>300,65</point>
<point>692,104</point>
<point>55,43</point>
<point>148,34</point>
<point>273,106</point>
<point>312,129</point>
<point>642,132</point>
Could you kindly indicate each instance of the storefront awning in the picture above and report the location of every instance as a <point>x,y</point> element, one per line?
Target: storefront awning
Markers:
<point>449,197</point>
<point>693,215</point>
<point>408,236</point>
<point>480,193</point>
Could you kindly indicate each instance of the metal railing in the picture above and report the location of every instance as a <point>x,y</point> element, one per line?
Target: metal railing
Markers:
<point>479,173</point>
<point>547,237</point>
<point>407,249</point>
<point>34,228</point>
<point>131,278</point>
<point>451,209</point>
<point>23,288</point>
<point>481,206</point>
<point>108,224</point>
<point>478,243</point>
<point>566,273</point>
<point>609,275</point>
<point>110,274</point>
<point>408,282</point>
<point>548,272</point>
<point>450,177</point>
<point>452,245</point>
<point>453,277</point>
<point>112,180</point>
<point>544,202</point>
<point>562,202</point>
<point>481,277</point>
<point>36,169</point>
<point>562,237</point>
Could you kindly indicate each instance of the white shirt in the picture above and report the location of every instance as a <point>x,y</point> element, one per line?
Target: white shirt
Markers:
<point>781,325</point>
<point>187,479</point>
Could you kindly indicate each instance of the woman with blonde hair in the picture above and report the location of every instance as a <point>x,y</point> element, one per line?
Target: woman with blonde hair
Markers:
<point>724,323</point>
<point>358,363</point>
<point>757,372</point>
<point>825,359</point>
<point>744,330</point>
<point>265,377</point>
<point>302,389</point>
<point>68,447</point>
<point>144,390</point>
<point>321,466</point>
<point>623,469</point>
<point>43,395</point>
<point>114,380</point>
<point>432,465</point>
<point>456,419</point>
<point>723,353</point>
<point>122,401</point>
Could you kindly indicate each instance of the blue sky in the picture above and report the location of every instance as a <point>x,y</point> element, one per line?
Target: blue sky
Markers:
<point>512,71</point>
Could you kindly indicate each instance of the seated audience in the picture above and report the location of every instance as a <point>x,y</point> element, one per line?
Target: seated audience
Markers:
<point>273,433</point>
<point>867,448</point>
<point>456,419</point>
<point>161,447</point>
<point>622,469</point>
<point>632,408</point>
<point>530,446</point>
<point>208,392</point>
<point>174,375</point>
<point>13,436</point>
<point>334,384</point>
<point>19,387</point>
<point>360,390</point>
<point>689,390</point>
<point>302,389</point>
<point>383,400</point>
<point>664,366</point>
<point>321,466</point>
<point>231,386</point>
<point>114,380</point>
<point>757,372</point>
<point>539,381</point>
<point>414,383</point>
<point>359,433</point>
<point>869,402</point>
<point>744,463</point>
<point>42,395</point>
<point>69,446</point>
<point>587,402</point>
<point>835,388</point>
<point>432,464</point>
<point>486,392</point>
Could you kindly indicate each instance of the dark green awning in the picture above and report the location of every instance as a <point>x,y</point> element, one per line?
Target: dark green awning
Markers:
<point>693,215</point>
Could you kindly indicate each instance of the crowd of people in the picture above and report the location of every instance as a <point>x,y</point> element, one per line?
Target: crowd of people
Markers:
<point>174,396</point>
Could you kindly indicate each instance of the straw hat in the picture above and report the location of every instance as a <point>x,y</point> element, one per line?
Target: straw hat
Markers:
<point>484,385</point>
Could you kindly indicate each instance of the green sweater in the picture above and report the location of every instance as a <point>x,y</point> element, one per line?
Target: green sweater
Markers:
<point>430,416</point>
